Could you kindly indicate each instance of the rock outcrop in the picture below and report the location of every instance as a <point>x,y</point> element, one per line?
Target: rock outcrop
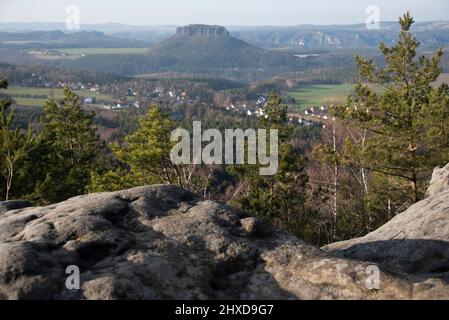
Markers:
<point>161,242</point>
<point>439,182</point>
<point>415,242</point>
<point>202,30</point>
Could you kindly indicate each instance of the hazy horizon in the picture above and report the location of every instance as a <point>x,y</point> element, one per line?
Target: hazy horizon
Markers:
<point>211,24</point>
<point>231,13</point>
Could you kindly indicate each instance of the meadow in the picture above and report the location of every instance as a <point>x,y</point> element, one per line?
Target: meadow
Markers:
<point>93,51</point>
<point>315,95</point>
<point>38,96</point>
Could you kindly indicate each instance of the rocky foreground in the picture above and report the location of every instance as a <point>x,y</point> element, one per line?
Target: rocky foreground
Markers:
<point>161,242</point>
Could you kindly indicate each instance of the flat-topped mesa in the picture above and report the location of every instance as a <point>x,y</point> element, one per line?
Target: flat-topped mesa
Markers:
<point>202,30</point>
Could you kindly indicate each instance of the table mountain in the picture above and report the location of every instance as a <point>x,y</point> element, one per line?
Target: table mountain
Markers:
<point>196,49</point>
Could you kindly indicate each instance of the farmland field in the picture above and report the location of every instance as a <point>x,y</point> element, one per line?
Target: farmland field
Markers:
<point>314,95</point>
<point>92,51</point>
<point>36,95</point>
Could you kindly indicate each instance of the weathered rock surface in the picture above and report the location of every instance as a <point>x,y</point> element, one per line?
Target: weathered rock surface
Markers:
<point>439,182</point>
<point>161,242</point>
<point>415,242</point>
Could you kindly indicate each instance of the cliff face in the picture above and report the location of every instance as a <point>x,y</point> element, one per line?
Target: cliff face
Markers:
<point>202,30</point>
<point>161,242</point>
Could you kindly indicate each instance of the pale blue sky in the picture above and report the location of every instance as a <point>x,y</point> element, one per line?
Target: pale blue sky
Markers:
<point>224,12</point>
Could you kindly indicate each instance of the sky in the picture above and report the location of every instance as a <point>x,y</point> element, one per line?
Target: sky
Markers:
<point>222,12</point>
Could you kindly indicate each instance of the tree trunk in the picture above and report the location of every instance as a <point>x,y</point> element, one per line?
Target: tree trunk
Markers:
<point>10,169</point>
<point>414,180</point>
<point>335,207</point>
<point>414,184</point>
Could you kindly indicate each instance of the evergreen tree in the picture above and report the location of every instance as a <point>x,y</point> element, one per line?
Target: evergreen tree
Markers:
<point>69,141</point>
<point>147,151</point>
<point>14,148</point>
<point>405,117</point>
<point>280,198</point>
<point>144,159</point>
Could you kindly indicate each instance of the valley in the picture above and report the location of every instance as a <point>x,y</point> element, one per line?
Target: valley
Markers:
<point>223,77</point>
<point>199,150</point>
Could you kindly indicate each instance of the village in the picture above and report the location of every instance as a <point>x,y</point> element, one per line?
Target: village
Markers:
<point>125,95</point>
<point>308,117</point>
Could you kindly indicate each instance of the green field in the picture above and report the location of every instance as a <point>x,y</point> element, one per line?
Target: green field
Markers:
<point>315,95</point>
<point>92,51</point>
<point>15,93</point>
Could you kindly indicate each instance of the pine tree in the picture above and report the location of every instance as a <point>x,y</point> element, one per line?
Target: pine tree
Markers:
<point>405,117</point>
<point>280,198</point>
<point>14,146</point>
<point>144,159</point>
<point>69,139</point>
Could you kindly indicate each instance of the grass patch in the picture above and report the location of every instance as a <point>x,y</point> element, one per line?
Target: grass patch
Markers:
<point>17,93</point>
<point>29,102</point>
<point>315,95</point>
<point>93,51</point>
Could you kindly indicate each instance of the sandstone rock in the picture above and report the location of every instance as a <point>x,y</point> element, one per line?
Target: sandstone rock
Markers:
<point>439,181</point>
<point>13,204</point>
<point>202,30</point>
<point>414,242</point>
<point>255,228</point>
<point>161,242</point>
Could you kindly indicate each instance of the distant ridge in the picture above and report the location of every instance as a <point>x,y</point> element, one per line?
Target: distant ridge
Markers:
<point>196,49</point>
<point>351,36</point>
<point>58,39</point>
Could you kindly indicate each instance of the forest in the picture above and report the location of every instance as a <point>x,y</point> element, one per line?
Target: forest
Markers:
<point>334,182</point>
